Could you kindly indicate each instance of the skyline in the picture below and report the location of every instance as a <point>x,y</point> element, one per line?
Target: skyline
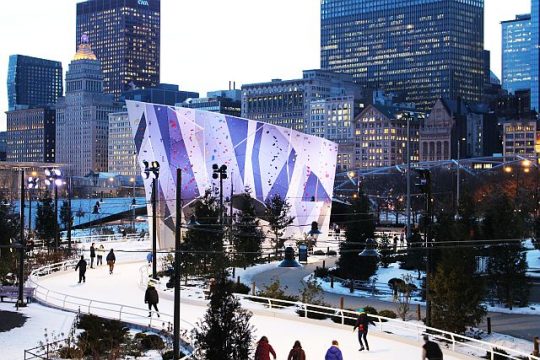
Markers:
<point>239,41</point>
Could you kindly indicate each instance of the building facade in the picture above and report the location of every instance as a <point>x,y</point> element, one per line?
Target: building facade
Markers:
<point>82,116</point>
<point>33,82</point>
<point>121,152</point>
<point>167,94</point>
<point>3,145</point>
<point>381,136</point>
<point>519,138</point>
<point>484,136</point>
<point>535,55</point>
<point>426,49</point>
<point>31,135</point>
<point>516,53</point>
<point>287,102</point>
<point>125,36</point>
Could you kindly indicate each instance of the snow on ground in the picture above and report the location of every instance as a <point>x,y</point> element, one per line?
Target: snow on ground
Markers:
<point>14,342</point>
<point>122,287</point>
<point>125,250</point>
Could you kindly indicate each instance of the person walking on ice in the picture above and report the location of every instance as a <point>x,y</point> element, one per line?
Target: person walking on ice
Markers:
<point>431,350</point>
<point>334,353</point>
<point>151,298</point>
<point>100,252</point>
<point>111,259</point>
<point>362,323</point>
<point>297,353</point>
<point>264,349</point>
<point>92,255</point>
<point>81,266</point>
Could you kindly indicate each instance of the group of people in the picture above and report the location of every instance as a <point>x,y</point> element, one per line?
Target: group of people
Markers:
<point>430,349</point>
<point>82,264</point>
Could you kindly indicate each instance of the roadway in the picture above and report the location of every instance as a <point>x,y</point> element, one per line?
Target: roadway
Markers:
<point>518,325</point>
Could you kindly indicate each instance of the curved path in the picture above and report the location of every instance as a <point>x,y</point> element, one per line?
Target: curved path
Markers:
<point>518,325</point>
<point>282,327</point>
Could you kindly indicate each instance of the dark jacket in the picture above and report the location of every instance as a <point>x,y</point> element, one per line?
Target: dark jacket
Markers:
<point>264,349</point>
<point>333,353</point>
<point>151,295</point>
<point>433,351</point>
<point>81,265</point>
<point>362,323</point>
<point>92,251</point>
<point>297,353</point>
<point>111,256</point>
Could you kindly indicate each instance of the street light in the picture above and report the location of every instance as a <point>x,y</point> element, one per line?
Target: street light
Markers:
<point>33,183</point>
<point>152,170</point>
<point>458,174</point>
<point>54,177</point>
<point>221,173</point>
<point>351,175</point>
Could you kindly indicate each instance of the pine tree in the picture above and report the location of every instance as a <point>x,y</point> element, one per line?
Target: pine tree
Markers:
<point>277,215</point>
<point>247,235</point>
<point>225,331</point>
<point>66,215</point>
<point>456,292</point>
<point>361,226</point>
<point>9,228</point>
<point>45,219</point>
<point>203,244</point>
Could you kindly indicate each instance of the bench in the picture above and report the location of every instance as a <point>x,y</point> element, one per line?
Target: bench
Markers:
<point>12,292</point>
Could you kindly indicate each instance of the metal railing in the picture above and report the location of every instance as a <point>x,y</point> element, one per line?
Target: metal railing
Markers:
<point>125,313</point>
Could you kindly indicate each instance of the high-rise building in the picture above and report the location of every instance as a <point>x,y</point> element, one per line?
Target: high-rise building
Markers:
<point>82,115</point>
<point>125,36</point>
<point>228,102</point>
<point>3,146</point>
<point>519,138</point>
<point>122,150</point>
<point>425,49</point>
<point>33,82</point>
<point>287,102</point>
<point>166,94</point>
<point>516,53</point>
<point>535,55</point>
<point>31,135</point>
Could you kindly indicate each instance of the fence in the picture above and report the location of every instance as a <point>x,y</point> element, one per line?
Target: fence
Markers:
<point>125,313</point>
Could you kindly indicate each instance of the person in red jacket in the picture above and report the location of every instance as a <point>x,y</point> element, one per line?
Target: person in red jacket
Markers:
<point>297,353</point>
<point>264,349</point>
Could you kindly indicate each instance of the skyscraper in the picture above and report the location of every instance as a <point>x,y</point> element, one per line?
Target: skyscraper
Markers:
<point>516,53</point>
<point>535,54</point>
<point>424,49</point>
<point>125,36</point>
<point>82,115</point>
<point>33,82</point>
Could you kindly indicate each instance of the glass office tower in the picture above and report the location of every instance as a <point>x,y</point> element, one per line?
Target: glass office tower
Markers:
<point>33,82</point>
<point>125,36</point>
<point>516,53</point>
<point>424,49</point>
<point>535,58</point>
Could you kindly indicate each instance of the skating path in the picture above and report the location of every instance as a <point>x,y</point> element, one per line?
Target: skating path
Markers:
<point>281,327</point>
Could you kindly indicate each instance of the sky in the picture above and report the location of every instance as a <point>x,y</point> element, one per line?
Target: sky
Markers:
<point>207,43</point>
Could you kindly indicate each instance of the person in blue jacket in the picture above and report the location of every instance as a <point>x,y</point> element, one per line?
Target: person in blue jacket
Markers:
<point>333,353</point>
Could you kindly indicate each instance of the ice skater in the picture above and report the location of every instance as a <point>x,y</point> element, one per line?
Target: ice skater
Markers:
<point>100,251</point>
<point>333,352</point>
<point>111,259</point>
<point>264,349</point>
<point>362,323</point>
<point>81,266</point>
<point>92,255</point>
<point>431,350</point>
<point>151,298</point>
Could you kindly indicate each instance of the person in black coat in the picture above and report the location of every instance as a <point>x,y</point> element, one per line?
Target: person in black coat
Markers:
<point>431,350</point>
<point>81,266</point>
<point>151,298</point>
<point>111,259</point>
<point>92,255</point>
<point>362,323</point>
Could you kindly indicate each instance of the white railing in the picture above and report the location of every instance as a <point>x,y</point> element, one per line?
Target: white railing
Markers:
<point>454,342</point>
<point>125,313</point>
<point>111,237</point>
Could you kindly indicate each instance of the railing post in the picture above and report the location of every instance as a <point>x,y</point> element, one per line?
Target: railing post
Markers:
<point>331,281</point>
<point>488,319</point>
<point>536,351</point>
<point>253,288</point>
<point>89,305</point>
<point>419,312</point>
<point>341,302</point>
<point>120,313</point>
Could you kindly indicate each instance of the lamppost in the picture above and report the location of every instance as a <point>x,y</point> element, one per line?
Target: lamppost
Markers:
<point>33,183</point>
<point>20,300</point>
<point>221,173</point>
<point>458,182</point>
<point>152,170</point>
<point>177,242</point>
<point>351,175</point>
<point>54,177</point>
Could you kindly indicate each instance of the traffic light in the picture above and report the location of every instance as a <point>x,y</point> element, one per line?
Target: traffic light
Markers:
<point>424,183</point>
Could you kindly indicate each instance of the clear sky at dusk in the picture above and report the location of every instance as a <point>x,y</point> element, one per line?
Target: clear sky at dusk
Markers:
<point>206,43</point>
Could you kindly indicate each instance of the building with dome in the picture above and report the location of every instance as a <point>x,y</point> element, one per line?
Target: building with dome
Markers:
<point>82,115</point>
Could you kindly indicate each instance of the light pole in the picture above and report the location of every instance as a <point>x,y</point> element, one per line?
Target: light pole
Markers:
<point>33,183</point>
<point>177,242</point>
<point>458,182</point>
<point>69,216</point>
<point>152,170</point>
<point>54,177</point>
<point>20,300</point>
<point>221,173</point>
<point>408,235</point>
<point>358,184</point>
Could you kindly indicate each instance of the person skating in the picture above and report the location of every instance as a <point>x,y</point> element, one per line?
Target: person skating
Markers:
<point>362,323</point>
<point>431,350</point>
<point>111,259</point>
<point>297,353</point>
<point>92,255</point>
<point>264,349</point>
<point>333,353</point>
<point>81,266</point>
<point>100,252</point>
<point>151,298</point>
